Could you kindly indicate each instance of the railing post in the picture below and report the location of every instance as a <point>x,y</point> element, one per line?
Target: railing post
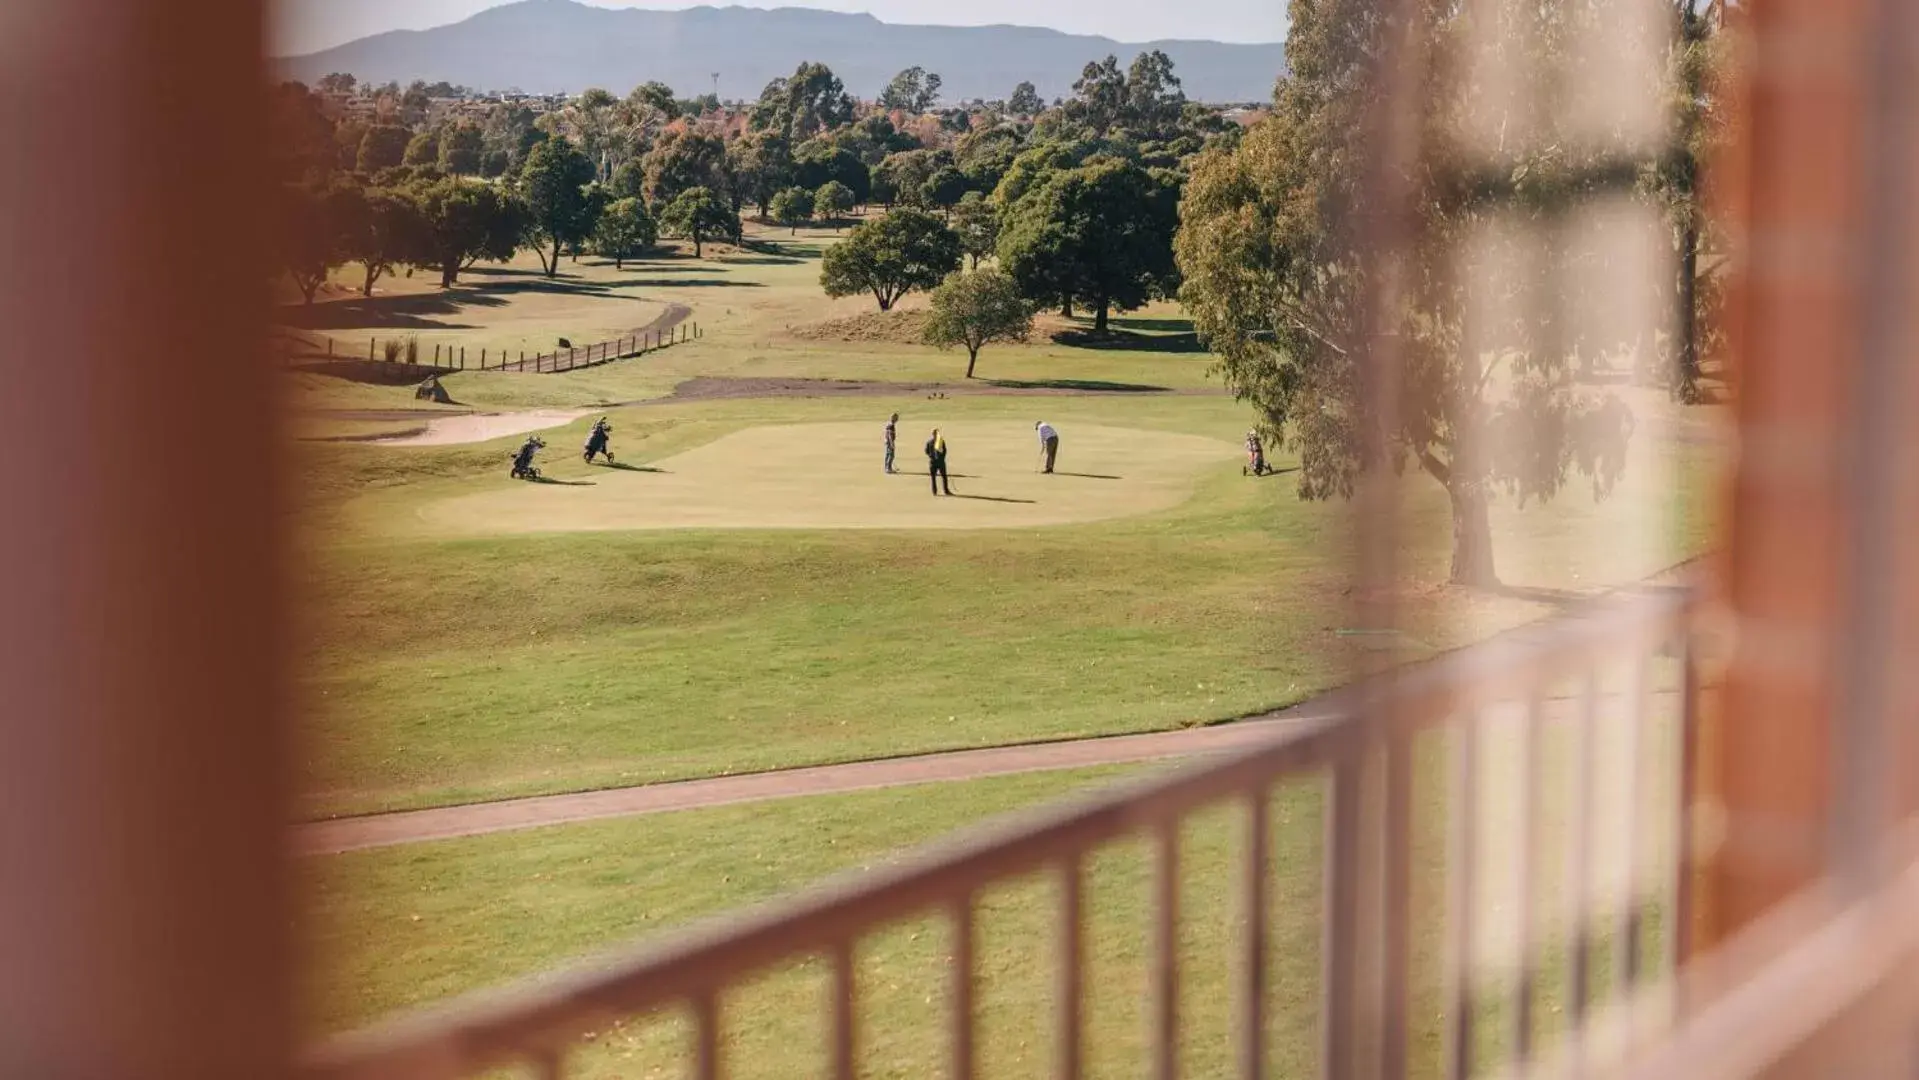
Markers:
<point>372,349</point>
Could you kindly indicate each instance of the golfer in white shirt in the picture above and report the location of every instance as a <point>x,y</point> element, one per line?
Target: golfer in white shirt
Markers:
<point>1048,445</point>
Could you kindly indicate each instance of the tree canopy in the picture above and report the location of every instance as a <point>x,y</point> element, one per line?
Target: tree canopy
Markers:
<point>553,185</point>
<point>977,222</point>
<point>803,104</point>
<point>792,207</point>
<point>1100,235</point>
<point>889,257</point>
<point>975,308</point>
<point>624,230</point>
<point>1276,288</point>
<point>463,222</point>
<point>833,200</point>
<point>913,90</point>
<point>696,214</point>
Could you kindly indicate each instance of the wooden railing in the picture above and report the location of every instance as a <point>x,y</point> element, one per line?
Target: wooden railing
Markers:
<point>1550,683</point>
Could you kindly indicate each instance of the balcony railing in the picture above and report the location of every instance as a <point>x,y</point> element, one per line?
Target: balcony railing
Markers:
<point>1508,698</point>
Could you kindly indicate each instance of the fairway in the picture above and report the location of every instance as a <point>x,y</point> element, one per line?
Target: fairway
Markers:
<point>828,476</point>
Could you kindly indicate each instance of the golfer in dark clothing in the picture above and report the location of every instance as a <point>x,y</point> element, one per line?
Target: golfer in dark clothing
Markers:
<point>936,463</point>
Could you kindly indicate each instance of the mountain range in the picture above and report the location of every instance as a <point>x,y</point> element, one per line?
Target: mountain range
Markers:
<point>561,46</point>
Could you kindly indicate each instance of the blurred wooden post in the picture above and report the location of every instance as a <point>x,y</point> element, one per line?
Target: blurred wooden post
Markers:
<point>1795,196</point>
<point>143,885</point>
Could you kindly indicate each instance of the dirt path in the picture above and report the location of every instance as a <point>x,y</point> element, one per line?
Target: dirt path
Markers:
<point>443,823</point>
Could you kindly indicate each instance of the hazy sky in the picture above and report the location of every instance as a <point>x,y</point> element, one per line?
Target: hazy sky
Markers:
<point>303,26</point>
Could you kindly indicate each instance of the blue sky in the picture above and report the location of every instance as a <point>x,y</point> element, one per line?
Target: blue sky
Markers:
<point>303,26</point>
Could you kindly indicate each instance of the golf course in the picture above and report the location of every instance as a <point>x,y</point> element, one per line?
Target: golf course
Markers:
<point>744,589</point>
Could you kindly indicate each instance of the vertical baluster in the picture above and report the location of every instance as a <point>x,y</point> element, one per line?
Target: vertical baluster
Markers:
<point>1679,940</point>
<point>1462,852</point>
<point>1252,1021</point>
<point>962,999</point>
<point>706,1036</point>
<point>1339,957</point>
<point>1579,859</point>
<point>1625,964</point>
<point>1526,919</point>
<point>1071,966</point>
<point>1165,970</point>
<point>1396,909</point>
<point>843,1006</point>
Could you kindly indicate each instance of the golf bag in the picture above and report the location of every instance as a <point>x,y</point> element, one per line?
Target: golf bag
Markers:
<point>598,442</point>
<point>1255,460</point>
<point>523,468</point>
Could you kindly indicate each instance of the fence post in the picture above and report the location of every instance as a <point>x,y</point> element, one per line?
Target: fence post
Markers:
<point>329,348</point>
<point>569,359</point>
<point>372,348</point>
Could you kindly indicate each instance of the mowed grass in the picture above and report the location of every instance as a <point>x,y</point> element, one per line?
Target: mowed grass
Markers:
<point>400,928</point>
<point>445,670</point>
<point>751,307</point>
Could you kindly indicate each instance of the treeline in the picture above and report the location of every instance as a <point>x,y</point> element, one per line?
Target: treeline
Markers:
<point>1078,199</point>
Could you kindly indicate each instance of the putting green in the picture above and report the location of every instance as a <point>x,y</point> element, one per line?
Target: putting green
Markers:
<point>828,476</point>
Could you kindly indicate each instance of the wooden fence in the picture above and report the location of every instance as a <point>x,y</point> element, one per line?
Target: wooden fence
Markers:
<point>294,347</point>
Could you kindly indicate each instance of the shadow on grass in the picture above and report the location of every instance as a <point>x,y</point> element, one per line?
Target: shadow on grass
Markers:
<point>561,483</point>
<point>1128,341</point>
<point>991,498</point>
<point>1270,473</point>
<point>1163,326</point>
<point>1560,598</point>
<point>432,311</point>
<point>693,283</point>
<point>1086,475</point>
<point>1098,385</point>
<point>624,467</point>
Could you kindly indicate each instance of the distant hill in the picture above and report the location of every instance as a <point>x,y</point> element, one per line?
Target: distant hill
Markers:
<point>552,46</point>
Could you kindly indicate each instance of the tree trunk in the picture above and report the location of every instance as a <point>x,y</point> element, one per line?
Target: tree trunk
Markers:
<point>553,268</point>
<point>886,302</point>
<point>619,262</point>
<point>975,260</point>
<point>449,273</point>
<point>1066,309</point>
<point>972,358</point>
<point>1472,537</point>
<point>1099,317</point>
<point>372,275</point>
<point>696,243</point>
<point>1686,381</point>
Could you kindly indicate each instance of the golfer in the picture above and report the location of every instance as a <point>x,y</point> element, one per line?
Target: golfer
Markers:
<point>892,440</point>
<point>1048,445</point>
<point>936,463</point>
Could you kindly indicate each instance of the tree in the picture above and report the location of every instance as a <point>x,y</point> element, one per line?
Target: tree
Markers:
<point>696,214</point>
<point>819,162</point>
<point>833,201</point>
<point>338,83</point>
<point>1099,95</point>
<point>944,188</point>
<point>461,147</point>
<point>799,106</point>
<point>313,243</point>
<point>761,164</point>
<point>1099,235</point>
<point>625,228</point>
<point>906,173</point>
<point>415,103</point>
<point>913,91</point>
<point>1025,100</point>
<point>683,159</point>
<point>905,250</point>
<point>974,309</point>
<point>423,149</point>
<point>553,186</point>
<point>302,146</point>
<point>381,229</point>
<point>1154,99</point>
<point>792,206</point>
<point>977,223</point>
<point>462,222</point>
<point>1279,292</point>
<point>383,147</point>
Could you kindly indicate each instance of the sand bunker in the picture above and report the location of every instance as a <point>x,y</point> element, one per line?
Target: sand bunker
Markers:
<point>828,476</point>
<point>483,427</point>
